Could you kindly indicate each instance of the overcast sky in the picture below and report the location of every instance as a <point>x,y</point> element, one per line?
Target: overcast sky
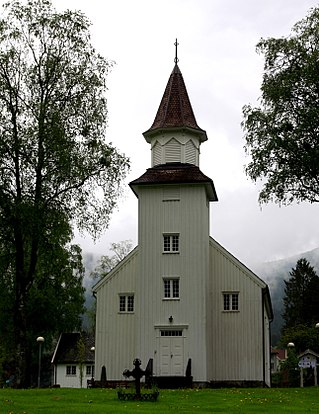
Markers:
<point>222,72</point>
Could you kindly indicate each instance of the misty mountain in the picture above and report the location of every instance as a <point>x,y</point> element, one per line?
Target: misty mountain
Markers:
<point>274,273</point>
<point>90,261</point>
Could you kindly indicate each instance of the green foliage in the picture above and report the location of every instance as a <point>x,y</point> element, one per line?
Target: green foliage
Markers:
<point>303,336</point>
<point>107,263</point>
<point>80,351</point>
<point>301,305</point>
<point>56,169</point>
<point>282,134</point>
<point>289,370</point>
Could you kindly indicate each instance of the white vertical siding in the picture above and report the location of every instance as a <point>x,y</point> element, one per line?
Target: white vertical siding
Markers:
<point>70,381</point>
<point>115,332</point>
<point>267,348</point>
<point>223,346</point>
<point>237,348</point>
<point>189,218</point>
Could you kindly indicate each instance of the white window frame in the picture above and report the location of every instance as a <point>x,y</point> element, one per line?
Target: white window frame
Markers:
<point>126,303</point>
<point>171,288</point>
<point>171,243</point>
<point>231,301</point>
<point>89,371</point>
<point>70,371</point>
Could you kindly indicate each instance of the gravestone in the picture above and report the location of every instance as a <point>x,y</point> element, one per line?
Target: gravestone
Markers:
<point>137,373</point>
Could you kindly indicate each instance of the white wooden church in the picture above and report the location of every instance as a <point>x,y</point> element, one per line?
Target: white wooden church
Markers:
<point>179,301</point>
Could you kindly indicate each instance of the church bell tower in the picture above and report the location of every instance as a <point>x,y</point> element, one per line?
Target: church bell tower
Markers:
<point>173,238</point>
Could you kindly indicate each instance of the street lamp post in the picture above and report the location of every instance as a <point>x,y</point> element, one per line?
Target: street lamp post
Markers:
<point>40,341</point>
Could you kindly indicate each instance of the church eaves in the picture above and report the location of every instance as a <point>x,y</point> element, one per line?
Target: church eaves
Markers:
<point>176,173</point>
<point>175,109</point>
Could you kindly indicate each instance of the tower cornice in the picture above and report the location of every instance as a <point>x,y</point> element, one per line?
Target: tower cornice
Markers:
<point>175,173</point>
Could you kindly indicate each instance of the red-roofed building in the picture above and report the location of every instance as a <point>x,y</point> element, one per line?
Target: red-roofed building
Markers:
<point>278,356</point>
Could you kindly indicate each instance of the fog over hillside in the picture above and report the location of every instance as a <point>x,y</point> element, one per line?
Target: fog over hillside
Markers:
<point>274,273</point>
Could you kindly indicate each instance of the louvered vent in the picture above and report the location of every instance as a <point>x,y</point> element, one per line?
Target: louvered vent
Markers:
<point>190,153</point>
<point>173,151</point>
<point>171,193</point>
<point>157,154</point>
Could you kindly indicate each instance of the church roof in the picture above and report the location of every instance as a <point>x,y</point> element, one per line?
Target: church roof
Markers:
<point>175,110</point>
<point>176,173</point>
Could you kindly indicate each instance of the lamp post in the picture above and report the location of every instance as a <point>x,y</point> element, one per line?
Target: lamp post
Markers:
<point>91,382</point>
<point>40,341</point>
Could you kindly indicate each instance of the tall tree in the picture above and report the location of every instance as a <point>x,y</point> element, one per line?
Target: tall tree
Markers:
<point>56,169</point>
<point>282,134</point>
<point>301,305</point>
<point>105,265</point>
<point>108,262</point>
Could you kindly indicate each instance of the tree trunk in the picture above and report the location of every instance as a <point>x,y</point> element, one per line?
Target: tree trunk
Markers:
<point>22,285</point>
<point>21,346</point>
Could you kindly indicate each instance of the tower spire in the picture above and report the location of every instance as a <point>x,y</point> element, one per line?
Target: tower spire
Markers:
<point>176,58</point>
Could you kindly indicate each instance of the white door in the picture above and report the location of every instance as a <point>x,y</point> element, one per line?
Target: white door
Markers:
<point>171,353</point>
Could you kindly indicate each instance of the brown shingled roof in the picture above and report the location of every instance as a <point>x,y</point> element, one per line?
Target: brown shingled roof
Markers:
<point>175,109</point>
<point>176,173</point>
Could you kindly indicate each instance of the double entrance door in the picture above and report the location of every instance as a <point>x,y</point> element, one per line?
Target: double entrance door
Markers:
<point>171,352</point>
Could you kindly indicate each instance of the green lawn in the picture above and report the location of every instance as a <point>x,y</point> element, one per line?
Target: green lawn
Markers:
<point>98,401</point>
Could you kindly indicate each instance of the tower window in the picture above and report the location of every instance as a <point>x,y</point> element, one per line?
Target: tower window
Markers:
<point>170,243</point>
<point>171,288</point>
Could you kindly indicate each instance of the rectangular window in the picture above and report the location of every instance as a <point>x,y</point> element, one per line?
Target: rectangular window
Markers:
<point>172,332</point>
<point>130,303</point>
<point>126,303</point>
<point>171,288</point>
<point>171,243</point>
<point>71,370</point>
<point>231,302</point>
<point>90,370</point>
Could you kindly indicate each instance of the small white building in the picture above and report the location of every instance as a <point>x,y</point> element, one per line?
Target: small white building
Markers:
<point>73,357</point>
<point>179,301</point>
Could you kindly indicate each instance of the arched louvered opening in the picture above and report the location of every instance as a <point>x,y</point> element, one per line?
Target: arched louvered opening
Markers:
<point>157,154</point>
<point>191,153</point>
<point>173,151</point>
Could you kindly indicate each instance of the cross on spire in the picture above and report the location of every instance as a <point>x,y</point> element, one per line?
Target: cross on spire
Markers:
<point>176,58</point>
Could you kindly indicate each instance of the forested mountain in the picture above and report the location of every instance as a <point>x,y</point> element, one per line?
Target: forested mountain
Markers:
<point>274,273</point>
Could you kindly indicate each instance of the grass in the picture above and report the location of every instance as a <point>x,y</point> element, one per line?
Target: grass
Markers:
<point>98,401</point>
